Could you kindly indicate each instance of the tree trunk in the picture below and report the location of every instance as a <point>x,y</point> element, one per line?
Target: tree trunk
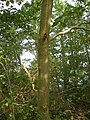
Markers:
<point>43,62</point>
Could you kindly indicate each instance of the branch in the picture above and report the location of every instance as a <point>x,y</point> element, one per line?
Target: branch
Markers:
<point>73,27</point>
<point>30,76</point>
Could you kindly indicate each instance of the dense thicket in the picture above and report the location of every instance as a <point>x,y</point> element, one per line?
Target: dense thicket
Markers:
<point>69,61</point>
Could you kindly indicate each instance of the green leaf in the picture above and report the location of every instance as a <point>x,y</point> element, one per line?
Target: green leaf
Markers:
<point>12,1</point>
<point>1,76</point>
<point>7,3</point>
<point>57,20</point>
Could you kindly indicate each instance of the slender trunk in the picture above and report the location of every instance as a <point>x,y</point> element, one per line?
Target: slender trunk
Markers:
<point>43,62</point>
<point>64,63</point>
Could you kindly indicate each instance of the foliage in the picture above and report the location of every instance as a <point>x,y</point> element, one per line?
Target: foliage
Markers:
<point>69,62</point>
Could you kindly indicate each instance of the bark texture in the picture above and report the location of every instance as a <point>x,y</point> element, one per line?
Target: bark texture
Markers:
<point>43,62</point>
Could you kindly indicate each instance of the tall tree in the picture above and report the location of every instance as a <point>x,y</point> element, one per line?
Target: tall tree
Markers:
<point>43,63</point>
